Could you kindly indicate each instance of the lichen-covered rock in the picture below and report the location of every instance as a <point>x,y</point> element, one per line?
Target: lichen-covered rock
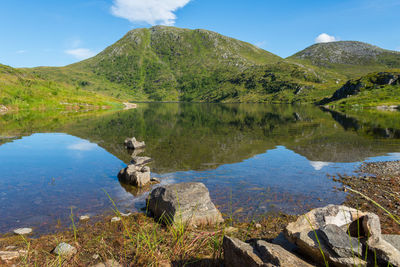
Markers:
<point>135,175</point>
<point>304,232</point>
<point>132,143</point>
<point>184,202</point>
<point>64,249</point>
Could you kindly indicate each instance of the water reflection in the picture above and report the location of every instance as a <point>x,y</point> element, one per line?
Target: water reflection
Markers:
<point>254,158</point>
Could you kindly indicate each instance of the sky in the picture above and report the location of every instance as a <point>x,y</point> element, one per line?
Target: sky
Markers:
<point>61,32</point>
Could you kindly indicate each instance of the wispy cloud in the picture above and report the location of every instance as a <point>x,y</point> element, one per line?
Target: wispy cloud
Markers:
<point>82,146</point>
<point>325,38</point>
<point>148,11</point>
<point>80,53</point>
<point>21,51</point>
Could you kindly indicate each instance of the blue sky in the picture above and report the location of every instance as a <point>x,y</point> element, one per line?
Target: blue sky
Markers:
<point>57,33</point>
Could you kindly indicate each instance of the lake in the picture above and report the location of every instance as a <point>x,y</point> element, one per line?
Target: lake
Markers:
<point>255,159</point>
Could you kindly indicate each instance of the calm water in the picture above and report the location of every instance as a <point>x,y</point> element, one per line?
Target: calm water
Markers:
<point>253,158</point>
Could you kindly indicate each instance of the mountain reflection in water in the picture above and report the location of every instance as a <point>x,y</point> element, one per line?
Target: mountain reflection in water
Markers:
<point>254,158</point>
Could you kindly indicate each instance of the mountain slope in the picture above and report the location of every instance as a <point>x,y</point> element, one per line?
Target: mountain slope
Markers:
<point>348,58</point>
<point>22,90</point>
<point>164,63</point>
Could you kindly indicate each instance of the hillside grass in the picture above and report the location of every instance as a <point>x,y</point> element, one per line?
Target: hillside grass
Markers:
<point>21,90</point>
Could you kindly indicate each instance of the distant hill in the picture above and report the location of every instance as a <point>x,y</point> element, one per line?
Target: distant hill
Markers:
<point>22,90</point>
<point>349,58</point>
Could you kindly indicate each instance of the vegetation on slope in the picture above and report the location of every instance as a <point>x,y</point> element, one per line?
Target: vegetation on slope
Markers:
<point>21,90</point>
<point>372,90</point>
<point>349,58</point>
<point>171,64</point>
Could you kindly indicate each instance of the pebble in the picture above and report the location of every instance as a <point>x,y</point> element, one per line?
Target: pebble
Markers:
<point>23,231</point>
<point>126,214</point>
<point>108,263</point>
<point>64,249</point>
<point>258,226</point>
<point>115,219</point>
<point>84,217</point>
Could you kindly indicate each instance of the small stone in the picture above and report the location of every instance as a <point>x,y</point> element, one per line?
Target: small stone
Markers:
<point>95,256</point>
<point>115,219</point>
<point>126,214</point>
<point>258,226</point>
<point>108,263</point>
<point>64,249</point>
<point>132,143</point>
<point>84,217</point>
<point>23,231</point>
<point>141,160</point>
<point>8,255</point>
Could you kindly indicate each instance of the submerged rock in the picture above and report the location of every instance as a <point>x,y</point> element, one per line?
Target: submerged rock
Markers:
<point>135,175</point>
<point>183,203</point>
<point>23,231</point>
<point>64,249</point>
<point>132,143</point>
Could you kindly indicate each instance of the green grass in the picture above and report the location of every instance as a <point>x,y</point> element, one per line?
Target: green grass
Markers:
<point>21,90</point>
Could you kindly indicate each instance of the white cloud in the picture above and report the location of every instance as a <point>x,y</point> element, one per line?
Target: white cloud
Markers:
<point>325,38</point>
<point>82,146</point>
<point>318,165</point>
<point>80,53</point>
<point>21,51</point>
<point>149,11</point>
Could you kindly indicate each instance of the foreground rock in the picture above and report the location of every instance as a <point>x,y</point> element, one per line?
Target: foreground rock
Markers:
<point>132,143</point>
<point>238,253</point>
<point>64,249</point>
<point>183,203</point>
<point>328,229</point>
<point>23,231</point>
<point>135,175</point>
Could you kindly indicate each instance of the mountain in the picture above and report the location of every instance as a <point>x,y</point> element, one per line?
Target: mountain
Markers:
<point>349,58</point>
<point>173,64</point>
<point>379,89</point>
<point>20,89</point>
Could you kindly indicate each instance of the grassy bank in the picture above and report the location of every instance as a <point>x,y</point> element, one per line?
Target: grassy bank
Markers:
<point>21,91</point>
<point>138,240</point>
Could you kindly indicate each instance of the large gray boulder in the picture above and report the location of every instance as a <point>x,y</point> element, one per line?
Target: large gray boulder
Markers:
<point>132,143</point>
<point>183,203</point>
<point>334,230</point>
<point>238,253</point>
<point>135,175</point>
